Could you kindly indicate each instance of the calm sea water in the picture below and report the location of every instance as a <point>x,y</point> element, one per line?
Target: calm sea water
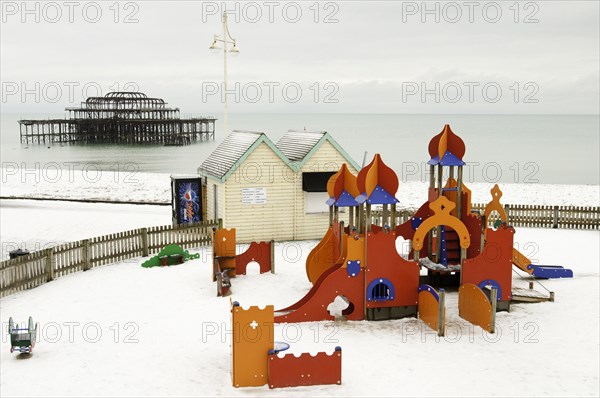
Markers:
<point>552,149</point>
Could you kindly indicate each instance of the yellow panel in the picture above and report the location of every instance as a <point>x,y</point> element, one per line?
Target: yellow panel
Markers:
<point>331,184</point>
<point>309,260</point>
<point>474,306</point>
<point>355,250</point>
<point>344,250</point>
<point>224,242</point>
<point>441,208</point>
<point>428,310</point>
<point>443,144</point>
<point>350,184</point>
<point>495,205</point>
<point>521,261</point>
<point>466,198</point>
<point>252,338</point>
<point>451,195</point>
<point>372,176</point>
<point>321,258</point>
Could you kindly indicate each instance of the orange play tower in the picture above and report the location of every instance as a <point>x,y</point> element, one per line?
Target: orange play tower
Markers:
<point>359,264</point>
<point>357,273</point>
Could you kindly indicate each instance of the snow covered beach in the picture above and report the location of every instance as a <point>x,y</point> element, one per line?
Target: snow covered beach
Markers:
<point>110,331</point>
<point>98,184</point>
<point>123,330</point>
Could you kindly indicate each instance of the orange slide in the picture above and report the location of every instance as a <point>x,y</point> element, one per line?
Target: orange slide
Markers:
<point>326,254</point>
<point>521,261</point>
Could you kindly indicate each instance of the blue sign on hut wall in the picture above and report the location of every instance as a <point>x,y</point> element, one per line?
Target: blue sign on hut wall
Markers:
<point>186,199</point>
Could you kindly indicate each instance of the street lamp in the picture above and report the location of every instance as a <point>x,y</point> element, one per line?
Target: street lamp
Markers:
<point>214,47</point>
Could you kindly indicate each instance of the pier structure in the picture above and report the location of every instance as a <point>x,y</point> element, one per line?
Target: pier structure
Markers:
<point>119,118</point>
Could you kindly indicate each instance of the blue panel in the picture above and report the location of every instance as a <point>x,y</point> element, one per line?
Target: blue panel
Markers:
<point>330,202</point>
<point>346,200</point>
<point>430,290</point>
<point>450,160</point>
<point>361,198</point>
<point>353,267</point>
<point>380,196</point>
<point>434,160</point>
<point>444,254</point>
<point>415,222</point>
<point>380,289</point>
<point>279,346</point>
<point>493,283</point>
<point>551,271</point>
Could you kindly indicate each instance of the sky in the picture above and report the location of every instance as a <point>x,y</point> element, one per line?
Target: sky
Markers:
<point>504,57</point>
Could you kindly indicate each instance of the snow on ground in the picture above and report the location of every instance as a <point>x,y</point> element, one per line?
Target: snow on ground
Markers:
<point>129,185</point>
<point>90,183</point>
<point>162,332</point>
<point>35,225</point>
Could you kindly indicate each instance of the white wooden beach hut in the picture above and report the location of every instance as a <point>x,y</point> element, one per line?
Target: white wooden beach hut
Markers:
<point>273,191</point>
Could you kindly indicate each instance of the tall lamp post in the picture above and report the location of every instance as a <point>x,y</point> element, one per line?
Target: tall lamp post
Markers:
<point>226,39</point>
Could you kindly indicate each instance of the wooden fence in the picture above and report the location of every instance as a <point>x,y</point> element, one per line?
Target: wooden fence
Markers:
<point>537,216</point>
<point>43,266</point>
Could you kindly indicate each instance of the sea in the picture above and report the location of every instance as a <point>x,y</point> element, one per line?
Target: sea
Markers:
<point>522,149</point>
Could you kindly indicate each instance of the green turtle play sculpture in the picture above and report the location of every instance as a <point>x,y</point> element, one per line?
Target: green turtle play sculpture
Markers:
<point>170,255</point>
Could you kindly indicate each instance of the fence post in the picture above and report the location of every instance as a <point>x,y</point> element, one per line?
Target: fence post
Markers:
<point>49,265</point>
<point>144,242</point>
<point>442,313</point>
<point>220,223</point>
<point>494,302</point>
<point>272,246</point>
<point>555,219</point>
<point>86,254</point>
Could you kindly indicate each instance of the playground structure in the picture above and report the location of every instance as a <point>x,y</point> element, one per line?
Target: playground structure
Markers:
<point>256,360</point>
<point>22,339</point>
<point>360,265</point>
<point>170,255</point>
<point>456,246</point>
<point>227,265</point>
<point>357,273</point>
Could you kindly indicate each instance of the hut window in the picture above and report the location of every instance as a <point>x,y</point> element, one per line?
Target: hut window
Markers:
<point>314,185</point>
<point>316,182</point>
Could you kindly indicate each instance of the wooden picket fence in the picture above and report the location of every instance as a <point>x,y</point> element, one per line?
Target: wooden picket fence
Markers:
<point>536,216</point>
<point>43,266</point>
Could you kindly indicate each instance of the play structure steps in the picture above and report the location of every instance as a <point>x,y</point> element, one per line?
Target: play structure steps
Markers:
<point>452,246</point>
<point>529,296</point>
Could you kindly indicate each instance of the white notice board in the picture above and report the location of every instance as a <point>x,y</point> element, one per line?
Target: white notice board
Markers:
<point>254,196</point>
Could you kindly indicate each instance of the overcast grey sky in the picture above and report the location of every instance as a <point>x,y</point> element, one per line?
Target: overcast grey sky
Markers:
<point>372,57</point>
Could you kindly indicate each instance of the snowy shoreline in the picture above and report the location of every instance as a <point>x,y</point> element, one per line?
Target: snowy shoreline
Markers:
<point>154,188</point>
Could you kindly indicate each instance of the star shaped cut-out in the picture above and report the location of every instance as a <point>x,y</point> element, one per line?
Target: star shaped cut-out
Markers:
<point>253,324</point>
